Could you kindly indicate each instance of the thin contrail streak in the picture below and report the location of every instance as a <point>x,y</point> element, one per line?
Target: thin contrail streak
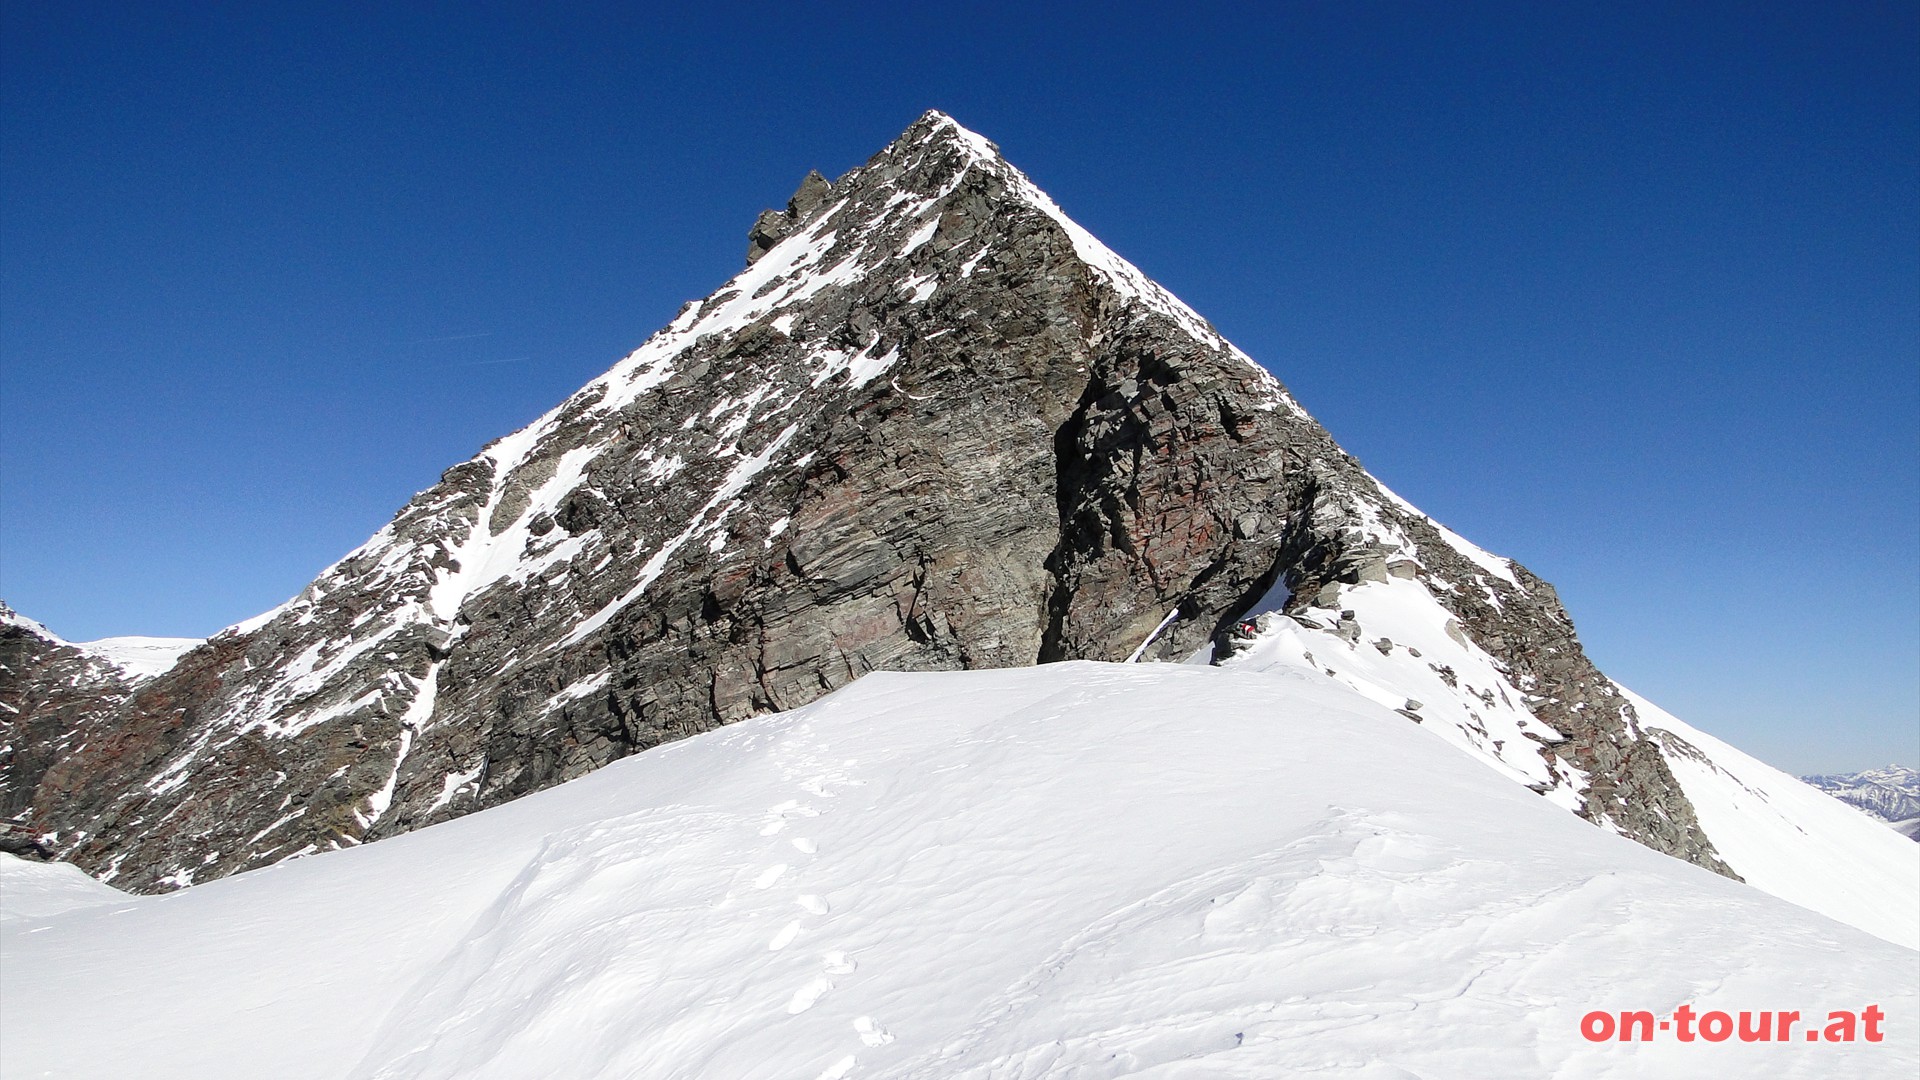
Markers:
<point>449,337</point>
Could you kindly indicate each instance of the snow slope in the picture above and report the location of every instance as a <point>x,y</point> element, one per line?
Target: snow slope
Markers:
<point>1425,660</point>
<point>1781,835</point>
<point>1079,870</point>
<point>1790,838</point>
<point>34,890</point>
<point>139,657</point>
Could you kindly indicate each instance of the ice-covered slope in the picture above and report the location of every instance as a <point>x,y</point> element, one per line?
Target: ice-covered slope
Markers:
<point>1084,870</point>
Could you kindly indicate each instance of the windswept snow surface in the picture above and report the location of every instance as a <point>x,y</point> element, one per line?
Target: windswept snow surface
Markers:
<point>32,891</point>
<point>1079,870</point>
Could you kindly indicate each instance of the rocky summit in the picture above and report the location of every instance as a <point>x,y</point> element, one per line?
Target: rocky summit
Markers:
<point>934,424</point>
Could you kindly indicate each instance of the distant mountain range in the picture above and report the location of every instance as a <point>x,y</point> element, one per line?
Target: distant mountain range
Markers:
<point>1891,794</point>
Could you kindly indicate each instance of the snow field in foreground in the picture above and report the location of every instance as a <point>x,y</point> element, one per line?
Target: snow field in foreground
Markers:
<point>1082,870</point>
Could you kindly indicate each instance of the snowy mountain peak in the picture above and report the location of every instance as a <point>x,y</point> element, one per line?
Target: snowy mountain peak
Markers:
<point>933,424</point>
<point>10,617</point>
<point>140,657</point>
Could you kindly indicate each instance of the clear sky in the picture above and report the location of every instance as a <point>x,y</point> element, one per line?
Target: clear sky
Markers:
<point>1628,293</point>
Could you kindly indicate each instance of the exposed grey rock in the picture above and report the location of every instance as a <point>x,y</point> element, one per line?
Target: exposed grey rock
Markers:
<point>19,841</point>
<point>768,229</point>
<point>773,226</point>
<point>51,696</point>
<point>813,192</point>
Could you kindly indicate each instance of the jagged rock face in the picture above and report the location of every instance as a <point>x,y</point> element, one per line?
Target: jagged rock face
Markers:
<point>52,696</point>
<point>933,425</point>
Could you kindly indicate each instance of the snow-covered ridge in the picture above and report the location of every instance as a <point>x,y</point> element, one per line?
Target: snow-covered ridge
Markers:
<point>1073,870</point>
<point>1394,644</point>
<point>31,892</point>
<point>1120,275</point>
<point>1409,654</point>
<point>140,657</point>
<point>1486,560</point>
<point>10,617</point>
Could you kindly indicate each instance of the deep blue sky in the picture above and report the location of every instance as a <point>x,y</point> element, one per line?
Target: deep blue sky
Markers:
<point>1630,294</point>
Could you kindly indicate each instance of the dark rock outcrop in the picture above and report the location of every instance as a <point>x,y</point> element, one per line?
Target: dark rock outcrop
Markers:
<point>773,225</point>
<point>52,696</point>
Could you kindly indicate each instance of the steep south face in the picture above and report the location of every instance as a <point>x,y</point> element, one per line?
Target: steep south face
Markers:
<point>933,425</point>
